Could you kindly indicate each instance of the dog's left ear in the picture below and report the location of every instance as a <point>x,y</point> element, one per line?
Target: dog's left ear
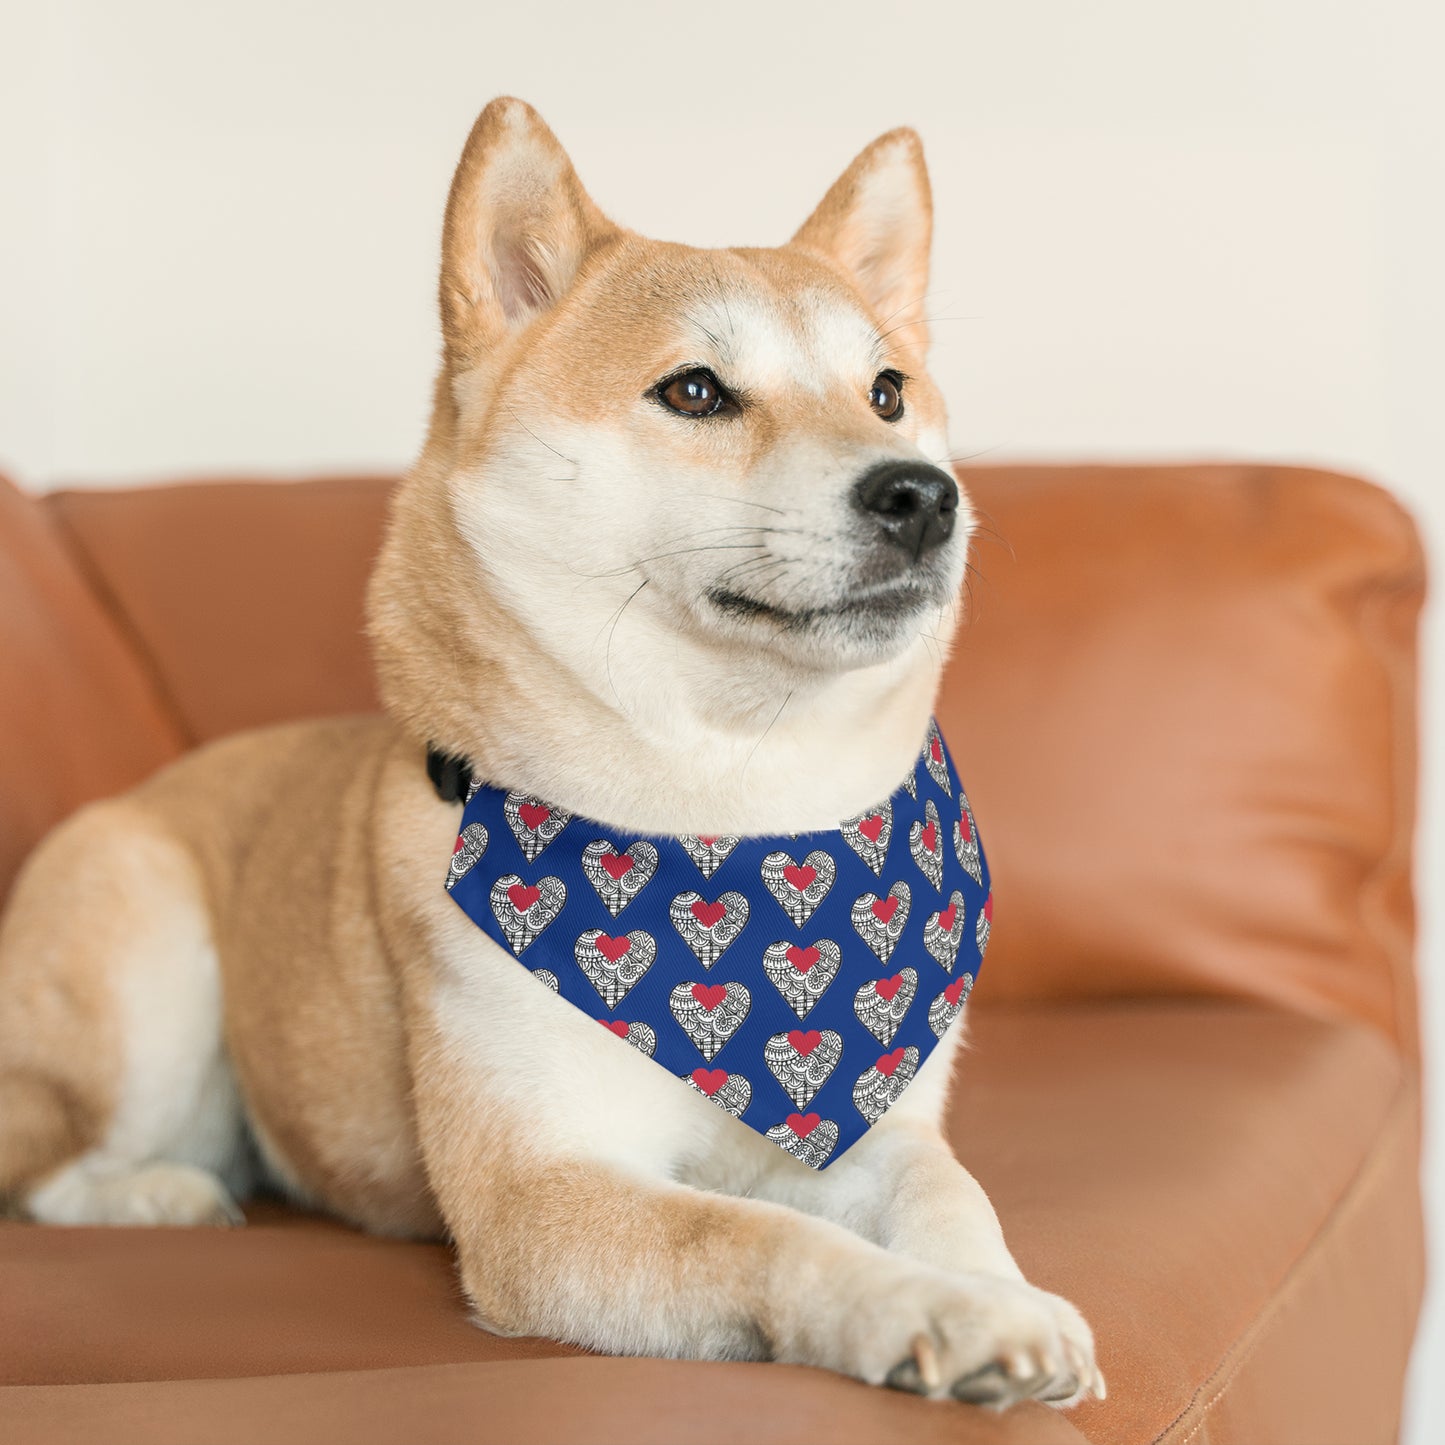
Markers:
<point>518,228</point>
<point>877,223</point>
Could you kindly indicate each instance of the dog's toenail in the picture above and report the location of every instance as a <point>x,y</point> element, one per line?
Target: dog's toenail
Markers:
<point>926,1357</point>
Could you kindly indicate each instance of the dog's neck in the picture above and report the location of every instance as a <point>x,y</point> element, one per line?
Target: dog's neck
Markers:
<point>659,757</point>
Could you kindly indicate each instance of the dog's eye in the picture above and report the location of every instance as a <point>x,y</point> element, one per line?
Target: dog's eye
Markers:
<point>694,393</point>
<point>886,397</point>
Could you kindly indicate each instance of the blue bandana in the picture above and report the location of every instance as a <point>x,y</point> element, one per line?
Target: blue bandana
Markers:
<point>797,981</point>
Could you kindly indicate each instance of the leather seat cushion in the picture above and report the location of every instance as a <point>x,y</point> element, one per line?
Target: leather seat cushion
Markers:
<point>1225,1190</point>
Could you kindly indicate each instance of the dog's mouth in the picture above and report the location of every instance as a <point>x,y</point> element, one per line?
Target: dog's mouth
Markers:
<point>888,604</point>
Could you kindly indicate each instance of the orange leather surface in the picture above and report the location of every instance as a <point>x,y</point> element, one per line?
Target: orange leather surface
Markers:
<point>247,598</point>
<point>537,1402</point>
<point>78,715</point>
<point>1185,713</point>
<point>1173,1167</point>
<point>1184,707</point>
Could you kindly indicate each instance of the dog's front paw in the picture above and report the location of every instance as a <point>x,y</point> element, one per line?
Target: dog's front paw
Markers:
<point>980,1338</point>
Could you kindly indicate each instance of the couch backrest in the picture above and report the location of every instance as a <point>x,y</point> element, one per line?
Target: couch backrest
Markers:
<point>1185,710</point>
<point>246,596</point>
<point>1183,706</point>
<point>79,714</point>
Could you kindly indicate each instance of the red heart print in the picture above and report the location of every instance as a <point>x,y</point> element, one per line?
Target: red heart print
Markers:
<point>802,958</point>
<point>615,1025</point>
<point>885,908</point>
<point>800,876</point>
<point>706,840</point>
<point>709,1080</point>
<point>988,908</point>
<point>709,997</point>
<point>612,948</point>
<point>887,988</point>
<point>523,895</point>
<point>803,1124</point>
<point>708,914</point>
<point>461,843</point>
<point>889,1062</point>
<point>534,814</point>
<point>955,990</point>
<point>871,827</point>
<point>805,1043</point>
<point>946,917</point>
<point>929,836</point>
<point>936,749</point>
<point>965,828</point>
<point>618,865</point>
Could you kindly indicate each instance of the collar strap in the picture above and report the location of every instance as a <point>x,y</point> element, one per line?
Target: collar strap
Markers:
<point>450,774</point>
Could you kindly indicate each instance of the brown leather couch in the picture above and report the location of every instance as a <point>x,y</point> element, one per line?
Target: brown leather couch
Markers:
<point>1186,710</point>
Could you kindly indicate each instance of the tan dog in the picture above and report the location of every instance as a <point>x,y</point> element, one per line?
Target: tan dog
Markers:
<point>635,570</point>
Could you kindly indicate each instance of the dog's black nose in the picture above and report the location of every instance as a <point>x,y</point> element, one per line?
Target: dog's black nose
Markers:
<point>915,504</point>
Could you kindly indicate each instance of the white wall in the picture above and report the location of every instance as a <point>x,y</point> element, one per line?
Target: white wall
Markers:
<point>1164,228</point>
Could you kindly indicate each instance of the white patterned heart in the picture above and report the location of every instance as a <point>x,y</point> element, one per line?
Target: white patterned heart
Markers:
<point>728,1091</point>
<point>943,932</point>
<point>525,909</point>
<point>965,840</point>
<point>802,1061</point>
<point>709,853</point>
<point>869,835</point>
<point>807,1137</point>
<point>801,974</point>
<point>881,1086</point>
<point>534,824</point>
<point>880,922</point>
<point>471,845</point>
<point>881,1003</point>
<point>546,978</point>
<point>925,843</point>
<point>949,1004</point>
<point>933,759</point>
<point>911,783</point>
<point>708,928</point>
<point>799,887</point>
<point>710,1014</point>
<point>613,965</point>
<point>639,1035</point>
<point>984,926</point>
<point>619,877</point>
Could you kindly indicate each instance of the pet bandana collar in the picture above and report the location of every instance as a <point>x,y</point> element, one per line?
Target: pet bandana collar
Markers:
<point>797,981</point>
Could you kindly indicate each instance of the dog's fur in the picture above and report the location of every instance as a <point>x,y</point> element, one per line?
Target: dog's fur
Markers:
<point>249,964</point>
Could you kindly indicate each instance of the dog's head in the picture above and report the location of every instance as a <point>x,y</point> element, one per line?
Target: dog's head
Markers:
<point>649,455</point>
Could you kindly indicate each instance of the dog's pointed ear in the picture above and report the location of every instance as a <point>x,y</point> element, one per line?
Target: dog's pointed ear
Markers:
<point>877,223</point>
<point>518,228</point>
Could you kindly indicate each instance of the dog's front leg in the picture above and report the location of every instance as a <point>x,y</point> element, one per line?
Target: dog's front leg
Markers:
<point>621,1260</point>
<point>901,1187</point>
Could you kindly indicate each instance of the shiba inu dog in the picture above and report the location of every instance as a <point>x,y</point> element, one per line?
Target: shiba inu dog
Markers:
<point>677,554</point>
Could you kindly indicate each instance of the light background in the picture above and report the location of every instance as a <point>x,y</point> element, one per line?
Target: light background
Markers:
<point>1164,230</point>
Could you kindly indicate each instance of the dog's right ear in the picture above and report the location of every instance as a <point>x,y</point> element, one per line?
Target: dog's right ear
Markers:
<point>518,227</point>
